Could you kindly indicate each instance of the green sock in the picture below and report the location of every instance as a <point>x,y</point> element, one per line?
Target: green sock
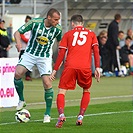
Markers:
<point>48,100</point>
<point>19,88</point>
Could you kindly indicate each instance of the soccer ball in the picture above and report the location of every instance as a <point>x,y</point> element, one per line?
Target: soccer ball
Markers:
<point>22,116</point>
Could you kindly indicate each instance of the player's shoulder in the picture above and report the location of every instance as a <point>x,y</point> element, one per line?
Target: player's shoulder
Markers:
<point>37,20</point>
<point>68,33</point>
<point>58,26</point>
<point>91,32</point>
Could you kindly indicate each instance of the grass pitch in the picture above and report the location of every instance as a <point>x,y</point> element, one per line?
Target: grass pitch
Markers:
<point>110,109</point>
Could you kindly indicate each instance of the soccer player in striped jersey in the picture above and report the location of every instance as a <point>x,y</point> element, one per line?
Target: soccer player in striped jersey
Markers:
<point>38,52</point>
<point>79,44</point>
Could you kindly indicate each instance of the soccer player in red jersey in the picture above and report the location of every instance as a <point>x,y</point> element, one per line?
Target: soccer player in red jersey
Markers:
<point>77,44</point>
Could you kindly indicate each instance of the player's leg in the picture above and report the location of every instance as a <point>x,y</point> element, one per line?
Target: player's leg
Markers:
<point>44,66</point>
<point>84,80</point>
<point>60,101</point>
<point>20,71</point>
<point>67,82</point>
<point>28,76</point>
<point>83,106</point>
<point>48,96</point>
<point>25,63</point>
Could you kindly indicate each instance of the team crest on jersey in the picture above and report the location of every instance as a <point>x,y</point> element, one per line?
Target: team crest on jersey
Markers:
<point>40,31</point>
<point>42,40</point>
<point>50,34</point>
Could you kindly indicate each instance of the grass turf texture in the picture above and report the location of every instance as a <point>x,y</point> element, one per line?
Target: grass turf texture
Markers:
<point>115,122</point>
<point>110,95</point>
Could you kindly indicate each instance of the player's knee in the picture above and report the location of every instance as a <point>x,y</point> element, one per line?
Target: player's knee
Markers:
<point>86,90</point>
<point>18,75</point>
<point>47,85</point>
<point>62,91</point>
<point>19,72</point>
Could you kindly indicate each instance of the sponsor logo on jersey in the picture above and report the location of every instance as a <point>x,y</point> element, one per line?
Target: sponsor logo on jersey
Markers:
<point>42,40</point>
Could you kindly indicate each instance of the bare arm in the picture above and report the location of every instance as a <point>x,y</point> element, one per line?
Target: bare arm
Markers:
<point>18,40</point>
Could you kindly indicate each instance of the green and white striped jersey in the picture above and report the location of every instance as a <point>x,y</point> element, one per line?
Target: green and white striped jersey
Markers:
<point>42,38</point>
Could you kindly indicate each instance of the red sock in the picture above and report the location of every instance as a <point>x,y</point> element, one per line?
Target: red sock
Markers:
<point>84,102</point>
<point>60,103</point>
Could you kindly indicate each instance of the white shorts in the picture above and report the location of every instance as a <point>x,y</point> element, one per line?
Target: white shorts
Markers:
<point>43,64</point>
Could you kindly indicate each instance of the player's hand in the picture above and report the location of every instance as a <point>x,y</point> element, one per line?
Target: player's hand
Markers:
<point>18,46</point>
<point>97,74</point>
<point>52,76</point>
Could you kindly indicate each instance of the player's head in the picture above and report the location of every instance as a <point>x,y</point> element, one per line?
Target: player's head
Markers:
<point>53,17</point>
<point>76,20</point>
<point>27,18</point>
<point>117,17</point>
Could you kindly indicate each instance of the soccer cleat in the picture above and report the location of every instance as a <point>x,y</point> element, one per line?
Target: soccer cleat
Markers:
<point>60,121</point>
<point>79,120</point>
<point>21,104</point>
<point>46,119</point>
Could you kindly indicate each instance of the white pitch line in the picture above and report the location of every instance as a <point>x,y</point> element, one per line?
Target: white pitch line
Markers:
<point>69,117</point>
<point>96,98</point>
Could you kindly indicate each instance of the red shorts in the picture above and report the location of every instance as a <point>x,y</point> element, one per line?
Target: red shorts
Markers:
<point>70,76</point>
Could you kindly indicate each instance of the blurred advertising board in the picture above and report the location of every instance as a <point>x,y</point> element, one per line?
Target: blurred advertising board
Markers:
<point>8,94</point>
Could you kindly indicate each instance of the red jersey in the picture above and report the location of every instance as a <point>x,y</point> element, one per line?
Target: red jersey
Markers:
<point>79,43</point>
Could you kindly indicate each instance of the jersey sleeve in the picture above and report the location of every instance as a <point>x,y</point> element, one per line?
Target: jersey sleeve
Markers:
<point>61,53</point>
<point>26,27</point>
<point>63,43</point>
<point>60,57</point>
<point>95,48</point>
<point>59,35</point>
<point>94,41</point>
